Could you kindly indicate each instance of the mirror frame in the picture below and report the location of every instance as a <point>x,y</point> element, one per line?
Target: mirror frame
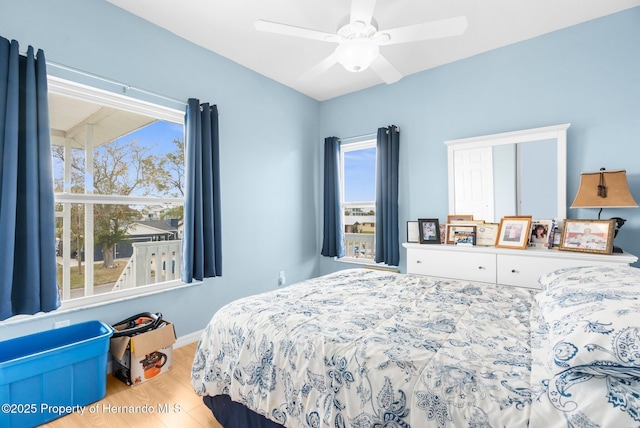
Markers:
<point>557,132</point>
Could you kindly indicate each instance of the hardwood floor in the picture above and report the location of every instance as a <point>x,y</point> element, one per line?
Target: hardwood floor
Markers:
<point>171,390</point>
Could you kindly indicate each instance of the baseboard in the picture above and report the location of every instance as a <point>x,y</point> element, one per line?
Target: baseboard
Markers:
<point>187,339</point>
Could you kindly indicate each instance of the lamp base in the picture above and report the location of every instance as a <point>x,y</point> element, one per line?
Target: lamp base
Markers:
<point>617,250</point>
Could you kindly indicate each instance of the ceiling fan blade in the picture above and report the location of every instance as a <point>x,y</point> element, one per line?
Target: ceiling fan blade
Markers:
<point>385,70</point>
<point>362,10</point>
<point>320,68</point>
<point>290,30</point>
<point>425,31</point>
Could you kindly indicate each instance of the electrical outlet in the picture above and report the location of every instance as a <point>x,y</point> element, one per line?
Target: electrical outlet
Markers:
<point>59,324</point>
<point>282,280</point>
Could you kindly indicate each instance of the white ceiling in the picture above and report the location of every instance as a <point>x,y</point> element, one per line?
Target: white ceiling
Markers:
<point>227,28</point>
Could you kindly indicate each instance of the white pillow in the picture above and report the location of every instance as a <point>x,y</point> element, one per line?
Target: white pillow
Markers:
<point>589,275</point>
<point>593,315</point>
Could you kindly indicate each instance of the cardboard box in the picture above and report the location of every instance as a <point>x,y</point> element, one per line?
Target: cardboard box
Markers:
<point>144,356</point>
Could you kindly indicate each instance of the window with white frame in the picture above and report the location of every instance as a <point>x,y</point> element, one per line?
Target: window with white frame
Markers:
<point>358,178</point>
<point>118,167</point>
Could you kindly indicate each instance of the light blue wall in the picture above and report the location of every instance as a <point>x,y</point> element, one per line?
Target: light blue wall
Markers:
<point>268,136</point>
<point>587,75</point>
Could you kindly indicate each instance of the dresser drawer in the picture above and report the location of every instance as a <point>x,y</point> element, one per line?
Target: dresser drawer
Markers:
<point>463,265</point>
<point>524,271</point>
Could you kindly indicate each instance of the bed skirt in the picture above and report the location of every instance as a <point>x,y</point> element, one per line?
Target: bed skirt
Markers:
<point>231,414</point>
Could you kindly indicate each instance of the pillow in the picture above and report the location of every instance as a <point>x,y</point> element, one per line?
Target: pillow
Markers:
<point>593,317</point>
<point>605,274</point>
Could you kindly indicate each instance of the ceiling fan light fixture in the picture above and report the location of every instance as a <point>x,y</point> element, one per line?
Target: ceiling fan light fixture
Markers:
<point>359,40</point>
<point>357,54</point>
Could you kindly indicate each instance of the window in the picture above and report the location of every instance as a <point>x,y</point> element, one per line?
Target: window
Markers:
<point>359,199</point>
<point>118,167</point>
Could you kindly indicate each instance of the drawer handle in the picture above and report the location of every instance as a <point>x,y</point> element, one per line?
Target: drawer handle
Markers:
<point>481,267</point>
<point>419,261</point>
<point>514,271</point>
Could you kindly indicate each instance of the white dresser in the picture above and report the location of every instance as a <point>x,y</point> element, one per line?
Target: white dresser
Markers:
<point>520,268</point>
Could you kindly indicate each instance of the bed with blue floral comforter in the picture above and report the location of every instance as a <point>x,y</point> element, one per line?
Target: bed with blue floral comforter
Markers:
<point>365,348</point>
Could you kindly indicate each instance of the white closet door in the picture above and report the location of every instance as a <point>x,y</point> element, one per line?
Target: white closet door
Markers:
<point>474,183</point>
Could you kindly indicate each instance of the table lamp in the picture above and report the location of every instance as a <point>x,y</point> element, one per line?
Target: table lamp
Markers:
<point>605,189</point>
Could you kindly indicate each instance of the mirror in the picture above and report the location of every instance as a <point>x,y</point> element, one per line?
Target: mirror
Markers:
<point>513,173</point>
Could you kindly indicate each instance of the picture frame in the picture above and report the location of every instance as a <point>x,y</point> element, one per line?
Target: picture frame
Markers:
<point>513,232</point>
<point>556,237</point>
<point>443,233</point>
<point>463,238</point>
<point>541,234</point>
<point>486,234</point>
<point>459,217</point>
<point>466,222</point>
<point>413,232</point>
<point>429,230</point>
<point>557,233</point>
<point>588,236</point>
<point>453,228</point>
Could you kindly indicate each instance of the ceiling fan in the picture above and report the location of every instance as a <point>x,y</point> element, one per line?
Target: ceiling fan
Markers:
<point>359,40</point>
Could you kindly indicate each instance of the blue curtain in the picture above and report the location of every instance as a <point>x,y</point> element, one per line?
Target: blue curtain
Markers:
<point>333,242</point>
<point>27,226</point>
<point>388,153</point>
<point>202,237</point>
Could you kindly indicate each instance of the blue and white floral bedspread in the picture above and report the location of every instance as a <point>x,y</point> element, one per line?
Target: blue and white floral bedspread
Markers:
<point>364,348</point>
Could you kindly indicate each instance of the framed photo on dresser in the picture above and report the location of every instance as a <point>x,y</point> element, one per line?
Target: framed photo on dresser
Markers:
<point>413,232</point>
<point>443,233</point>
<point>452,218</point>
<point>514,232</point>
<point>486,234</point>
<point>464,238</point>
<point>588,236</point>
<point>429,230</point>
<point>541,235</point>
<point>453,228</point>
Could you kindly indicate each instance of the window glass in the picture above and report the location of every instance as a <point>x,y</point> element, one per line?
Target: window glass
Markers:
<point>118,167</point>
<point>358,206</point>
<point>360,175</point>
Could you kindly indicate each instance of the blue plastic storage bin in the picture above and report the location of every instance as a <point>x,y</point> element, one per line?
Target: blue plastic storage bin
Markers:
<point>46,375</point>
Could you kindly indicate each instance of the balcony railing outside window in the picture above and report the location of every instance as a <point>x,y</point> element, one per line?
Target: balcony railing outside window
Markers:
<point>359,230</point>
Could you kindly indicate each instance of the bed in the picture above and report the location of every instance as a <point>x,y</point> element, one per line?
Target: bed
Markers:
<point>368,348</point>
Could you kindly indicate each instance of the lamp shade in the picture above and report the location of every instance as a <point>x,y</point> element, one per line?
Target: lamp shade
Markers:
<point>604,189</point>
